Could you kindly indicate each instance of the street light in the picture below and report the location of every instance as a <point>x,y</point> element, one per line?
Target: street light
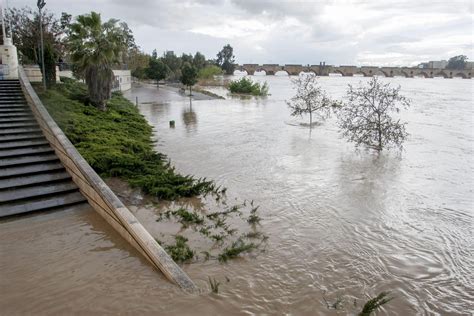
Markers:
<point>41,5</point>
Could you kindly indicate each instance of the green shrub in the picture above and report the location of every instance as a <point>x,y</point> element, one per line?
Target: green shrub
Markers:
<point>209,72</point>
<point>246,86</point>
<point>117,142</point>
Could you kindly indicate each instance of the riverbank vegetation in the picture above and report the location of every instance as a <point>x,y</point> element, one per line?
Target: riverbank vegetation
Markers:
<point>117,142</point>
<point>222,235</point>
<point>245,85</point>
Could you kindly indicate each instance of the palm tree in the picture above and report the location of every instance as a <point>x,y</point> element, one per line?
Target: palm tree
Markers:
<point>95,47</point>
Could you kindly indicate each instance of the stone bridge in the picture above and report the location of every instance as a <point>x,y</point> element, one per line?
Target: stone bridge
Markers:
<point>369,71</point>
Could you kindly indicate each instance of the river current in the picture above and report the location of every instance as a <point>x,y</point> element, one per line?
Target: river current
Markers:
<point>343,224</point>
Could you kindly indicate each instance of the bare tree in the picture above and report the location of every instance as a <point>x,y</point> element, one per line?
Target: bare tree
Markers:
<point>367,118</point>
<point>310,98</point>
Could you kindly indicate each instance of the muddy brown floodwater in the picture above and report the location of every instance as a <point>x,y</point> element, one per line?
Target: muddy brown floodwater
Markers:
<point>342,224</point>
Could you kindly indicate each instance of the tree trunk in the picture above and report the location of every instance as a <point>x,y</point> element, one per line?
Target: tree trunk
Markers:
<point>379,131</point>
<point>310,119</point>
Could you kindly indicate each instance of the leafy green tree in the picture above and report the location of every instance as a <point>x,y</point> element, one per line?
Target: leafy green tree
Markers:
<point>367,119</point>
<point>199,61</point>
<point>189,76</point>
<point>209,72</point>
<point>24,21</point>
<point>186,58</point>
<point>138,63</point>
<point>310,99</point>
<point>457,62</point>
<point>174,64</point>
<point>157,70</point>
<point>226,59</point>
<point>95,47</point>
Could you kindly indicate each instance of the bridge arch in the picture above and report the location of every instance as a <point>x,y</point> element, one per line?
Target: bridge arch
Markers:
<point>308,72</point>
<point>260,72</point>
<point>441,74</point>
<point>360,72</point>
<point>423,74</point>
<point>380,73</point>
<point>240,72</point>
<point>406,74</point>
<point>337,72</point>
<point>282,73</point>
<point>460,74</point>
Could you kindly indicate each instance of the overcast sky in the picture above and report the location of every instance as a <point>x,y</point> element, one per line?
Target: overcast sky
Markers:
<point>376,32</point>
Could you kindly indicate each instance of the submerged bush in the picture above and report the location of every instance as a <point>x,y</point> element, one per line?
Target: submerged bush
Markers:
<point>246,86</point>
<point>117,142</point>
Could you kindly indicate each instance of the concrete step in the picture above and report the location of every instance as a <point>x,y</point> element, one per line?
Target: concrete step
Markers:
<point>28,151</point>
<point>23,109</point>
<point>19,137</point>
<point>10,86</point>
<point>27,160</point>
<point>16,131</point>
<point>37,191</point>
<point>23,143</point>
<point>13,119</point>
<point>4,98</point>
<point>16,115</point>
<point>37,168</point>
<point>17,124</point>
<point>11,102</point>
<point>45,203</point>
<point>13,105</point>
<point>28,180</point>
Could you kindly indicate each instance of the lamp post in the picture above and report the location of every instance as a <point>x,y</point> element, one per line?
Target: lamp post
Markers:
<point>41,5</point>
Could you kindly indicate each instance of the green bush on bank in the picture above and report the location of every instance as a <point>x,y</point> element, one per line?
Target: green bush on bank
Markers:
<point>209,72</point>
<point>118,142</point>
<point>246,86</point>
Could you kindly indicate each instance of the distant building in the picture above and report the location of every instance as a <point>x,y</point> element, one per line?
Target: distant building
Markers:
<point>424,65</point>
<point>437,64</point>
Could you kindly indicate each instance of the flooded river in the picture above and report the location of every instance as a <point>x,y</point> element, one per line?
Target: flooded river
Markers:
<point>342,224</point>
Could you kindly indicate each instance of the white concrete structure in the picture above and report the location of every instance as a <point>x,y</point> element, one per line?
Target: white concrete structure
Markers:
<point>8,60</point>
<point>33,72</point>
<point>123,78</point>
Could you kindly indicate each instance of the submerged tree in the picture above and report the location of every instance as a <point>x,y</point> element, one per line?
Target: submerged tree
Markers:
<point>367,118</point>
<point>189,76</point>
<point>95,47</point>
<point>225,59</point>
<point>310,98</point>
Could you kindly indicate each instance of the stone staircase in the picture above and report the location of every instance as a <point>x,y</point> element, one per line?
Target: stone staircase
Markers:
<point>31,176</point>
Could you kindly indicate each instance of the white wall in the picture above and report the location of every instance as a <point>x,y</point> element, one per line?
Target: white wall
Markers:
<point>124,78</point>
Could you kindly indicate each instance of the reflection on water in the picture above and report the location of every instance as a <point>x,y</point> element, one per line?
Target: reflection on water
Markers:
<point>189,119</point>
<point>341,222</point>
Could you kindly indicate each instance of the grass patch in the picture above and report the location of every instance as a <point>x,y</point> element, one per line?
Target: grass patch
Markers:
<point>246,86</point>
<point>180,251</point>
<point>214,285</point>
<point>373,304</point>
<point>238,247</point>
<point>117,142</point>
